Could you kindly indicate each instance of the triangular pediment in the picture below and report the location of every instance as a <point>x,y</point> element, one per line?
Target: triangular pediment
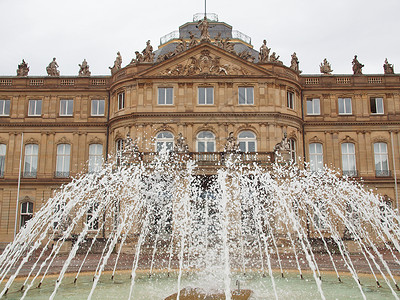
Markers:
<point>205,60</point>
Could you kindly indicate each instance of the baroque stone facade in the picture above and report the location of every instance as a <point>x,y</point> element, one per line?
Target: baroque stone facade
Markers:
<point>197,93</point>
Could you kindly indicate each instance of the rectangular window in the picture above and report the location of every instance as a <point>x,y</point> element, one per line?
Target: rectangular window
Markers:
<point>66,107</point>
<point>35,108</point>
<point>381,159</point>
<point>313,107</point>
<point>121,100</point>
<point>2,159</point>
<point>98,107</point>
<point>376,106</point>
<point>95,157</point>
<point>63,160</point>
<point>4,107</point>
<point>349,159</point>
<point>290,100</point>
<point>344,105</point>
<point>165,96</point>
<point>206,95</point>
<point>246,95</point>
<point>26,212</point>
<point>31,160</point>
<point>316,157</point>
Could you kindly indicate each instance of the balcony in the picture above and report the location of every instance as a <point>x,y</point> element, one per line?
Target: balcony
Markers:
<point>383,173</point>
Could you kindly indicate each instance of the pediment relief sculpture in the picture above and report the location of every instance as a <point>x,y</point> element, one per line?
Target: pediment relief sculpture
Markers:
<point>348,139</point>
<point>63,140</point>
<point>205,63</point>
<point>379,139</point>
<point>31,141</point>
<point>95,140</point>
<point>315,139</point>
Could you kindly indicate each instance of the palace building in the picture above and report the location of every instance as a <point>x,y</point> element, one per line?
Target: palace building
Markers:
<point>203,84</point>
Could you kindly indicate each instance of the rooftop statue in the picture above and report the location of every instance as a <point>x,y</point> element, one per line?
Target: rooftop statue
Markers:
<point>84,69</point>
<point>246,55</point>
<point>23,69</point>
<point>148,55</point>
<point>325,67</point>
<point>203,26</point>
<point>274,58</point>
<point>218,40</point>
<point>294,63</point>
<point>52,68</point>
<point>180,47</point>
<point>181,145</point>
<point>357,66</point>
<point>228,46</point>
<point>138,59</point>
<point>264,52</point>
<point>388,68</point>
<point>117,64</point>
<point>231,145</point>
<point>193,41</point>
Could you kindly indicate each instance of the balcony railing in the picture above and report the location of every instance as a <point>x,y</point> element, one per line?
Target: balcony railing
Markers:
<point>61,174</point>
<point>382,173</point>
<point>29,174</point>
<point>350,173</point>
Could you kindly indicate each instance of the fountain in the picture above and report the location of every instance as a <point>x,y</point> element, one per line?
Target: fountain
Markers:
<point>204,237</point>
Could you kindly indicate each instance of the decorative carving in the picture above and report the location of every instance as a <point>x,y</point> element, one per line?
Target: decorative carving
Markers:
<point>294,63</point>
<point>275,59</point>
<point>193,41</point>
<point>52,68</point>
<point>264,52</point>
<point>203,26</point>
<point>315,139</point>
<point>84,69</point>
<point>148,55</point>
<point>180,145</point>
<point>325,67</point>
<point>117,64</point>
<point>31,141</point>
<point>228,46</point>
<point>282,145</point>
<point>348,139</point>
<point>231,144</point>
<point>218,41</point>
<point>388,68</point>
<point>379,139</point>
<point>2,141</point>
<point>246,54</point>
<point>63,140</point>
<point>95,140</point>
<point>23,69</point>
<point>357,66</point>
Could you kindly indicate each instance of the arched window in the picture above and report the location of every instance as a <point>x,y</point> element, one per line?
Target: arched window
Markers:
<point>381,159</point>
<point>31,160</point>
<point>316,157</point>
<point>95,157</point>
<point>205,141</point>
<point>63,160</point>
<point>292,149</point>
<point>164,140</point>
<point>247,141</point>
<point>2,159</point>
<point>349,159</point>
<point>26,212</point>
<point>119,145</point>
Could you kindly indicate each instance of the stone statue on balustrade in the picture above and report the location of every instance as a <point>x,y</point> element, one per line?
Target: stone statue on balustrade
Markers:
<point>263,56</point>
<point>231,144</point>
<point>275,59</point>
<point>148,55</point>
<point>325,67</point>
<point>23,69</point>
<point>181,146</point>
<point>357,66</point>
<point>282,150</point>
<point>388,68</point>
<point>203,26</point>
<point>218,40</point>
<point>52,68</point>
<point>117,64</point>
<point>294,63</point>
<point>84,69</point>
<point>193,41</point>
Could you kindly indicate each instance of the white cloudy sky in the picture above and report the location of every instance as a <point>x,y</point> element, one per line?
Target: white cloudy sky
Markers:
<point>38,30</point>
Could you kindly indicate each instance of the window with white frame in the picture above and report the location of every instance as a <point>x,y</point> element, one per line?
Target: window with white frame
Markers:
<point>164,141</point>
<point>98,107</point>
<point>290,99</point>
<point>246,95</point>
<point>121,100</point>
<point>3,148</point>
<point>316,157</point>
<point>349,159</point>
<point>31,160</point>
<point>26,213</point>
<point>247,141</point>
<point>165,95</point>
<point>66,107</point>
<point>344,106</point>
<point>63,160</point>
<point>91,220</point>
<point>313,106</point>
<point>119,145</point>
<point>376,105</point>
<point>4,107</point>
<point>292,149</point>
<point>35,107</point>
<point>381,159</point>
<point>205,141</point>
<point>206,95</point>
<point>95,157</point>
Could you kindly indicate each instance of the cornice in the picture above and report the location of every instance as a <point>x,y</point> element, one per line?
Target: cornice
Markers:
<point>54,124</point>
<point>353,123</point>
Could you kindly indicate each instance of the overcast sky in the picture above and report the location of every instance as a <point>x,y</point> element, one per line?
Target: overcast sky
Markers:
<point>38,30</point>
